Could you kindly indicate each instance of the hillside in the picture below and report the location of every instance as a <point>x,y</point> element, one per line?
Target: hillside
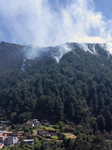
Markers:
<point>11,57</point>
<point>70,84</point>
<point>78,88</point>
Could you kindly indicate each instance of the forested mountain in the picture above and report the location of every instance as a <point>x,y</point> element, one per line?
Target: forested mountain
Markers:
<point>77,89</point>
<point>11,57</point>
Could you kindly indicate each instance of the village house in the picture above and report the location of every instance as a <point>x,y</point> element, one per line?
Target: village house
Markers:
<point>46,124</point>
<point>53,133</point>
<point>29,141</point>
<point>11,140</point>
<point>42,133</point>
<point>30,124</point>
<point>33,123</point>
<point>5,133</point>
<point>6,138</point>
<point>18,134</point>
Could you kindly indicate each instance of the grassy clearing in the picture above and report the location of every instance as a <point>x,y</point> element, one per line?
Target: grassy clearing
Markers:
<point>49,128</point>
<point>41,126</point>
<point>41,129</point>
<point>70,135</point>
<point>54,137</point>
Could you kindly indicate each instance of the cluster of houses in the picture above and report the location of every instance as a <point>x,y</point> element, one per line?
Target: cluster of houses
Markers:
<point>7,138</point>
<point>43,133</point>
<point>10,138</point>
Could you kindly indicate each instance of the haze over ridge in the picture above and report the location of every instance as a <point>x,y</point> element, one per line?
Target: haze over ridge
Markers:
<point>42,23</point>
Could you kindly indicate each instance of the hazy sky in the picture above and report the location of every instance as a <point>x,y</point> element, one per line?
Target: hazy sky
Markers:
<point>53,22</point>
<point>104,6</point>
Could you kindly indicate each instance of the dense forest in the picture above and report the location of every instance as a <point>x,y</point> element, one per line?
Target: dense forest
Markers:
<point>76,90</point>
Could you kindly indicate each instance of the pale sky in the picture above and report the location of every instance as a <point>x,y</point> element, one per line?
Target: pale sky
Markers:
<point>54,22</point>
<point>104,6</point>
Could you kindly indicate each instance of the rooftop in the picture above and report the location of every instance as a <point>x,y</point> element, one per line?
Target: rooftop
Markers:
<point>29,140</point>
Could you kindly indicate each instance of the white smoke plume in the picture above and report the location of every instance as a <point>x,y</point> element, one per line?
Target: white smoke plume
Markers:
<point>31,52</point>
<point>41,23</point>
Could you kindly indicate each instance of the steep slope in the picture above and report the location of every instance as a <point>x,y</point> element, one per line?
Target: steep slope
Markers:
<point>78,88</point>
<point>10,57</point>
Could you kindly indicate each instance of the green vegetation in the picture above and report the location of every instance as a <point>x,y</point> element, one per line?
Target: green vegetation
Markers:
<point>49,128</point>
<point>70,135</point>
<point>54,137</point>
<point>77,92</point>
<point>67,144</point>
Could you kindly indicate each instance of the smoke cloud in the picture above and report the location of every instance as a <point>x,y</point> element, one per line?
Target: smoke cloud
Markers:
<point>42,23</point>
<point>31,52</point>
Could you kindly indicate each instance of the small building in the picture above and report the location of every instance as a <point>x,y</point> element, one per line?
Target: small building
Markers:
<point>42,133</point>
<point>6,122</point>
<point>33,122</point>
<point>18,134</point>
<point>29,123</point>
<point>46,124</point>
<point>53,133</point>
<point>11,140</point>
<point>29,141</point>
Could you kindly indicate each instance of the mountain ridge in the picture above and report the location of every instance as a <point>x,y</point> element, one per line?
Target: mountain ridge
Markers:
<point>12,56</point>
